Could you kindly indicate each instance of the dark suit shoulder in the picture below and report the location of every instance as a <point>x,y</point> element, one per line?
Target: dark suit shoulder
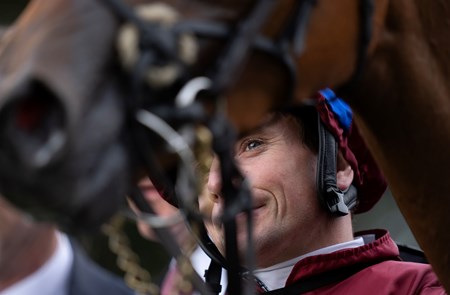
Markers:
<point>88,278</point>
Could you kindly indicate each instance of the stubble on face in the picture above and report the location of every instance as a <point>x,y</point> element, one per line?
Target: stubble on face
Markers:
<point>281,172</point>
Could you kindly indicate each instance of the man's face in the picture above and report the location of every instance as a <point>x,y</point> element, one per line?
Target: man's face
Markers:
<point>163,209</point>
<point>282,175</point>
<point>17,233</point>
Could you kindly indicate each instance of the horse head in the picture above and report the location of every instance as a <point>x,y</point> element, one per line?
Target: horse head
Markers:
<point>61,115</point>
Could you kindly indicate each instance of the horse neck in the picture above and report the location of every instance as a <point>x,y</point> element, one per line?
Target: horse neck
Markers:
<point>434,16</point>
<point>411,62</point>
<point>404,93</point>
<point>403,108</point>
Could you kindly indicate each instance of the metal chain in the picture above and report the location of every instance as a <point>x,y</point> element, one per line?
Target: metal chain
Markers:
<point>136,277</point>
<point>203,154</point>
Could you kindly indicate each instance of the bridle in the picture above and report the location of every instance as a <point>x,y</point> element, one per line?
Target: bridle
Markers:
<point>158,44</point>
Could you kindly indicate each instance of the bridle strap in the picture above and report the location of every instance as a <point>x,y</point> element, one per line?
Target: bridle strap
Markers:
<point>167,239</point>
<point>154,37</point>
<point>367,8</point>
<point>233,195</point>
<point>239,46</point>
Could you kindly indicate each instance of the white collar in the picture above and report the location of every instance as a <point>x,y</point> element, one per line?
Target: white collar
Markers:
<point>274,277</point>
<point>52,278</point>
<point>200,262</point>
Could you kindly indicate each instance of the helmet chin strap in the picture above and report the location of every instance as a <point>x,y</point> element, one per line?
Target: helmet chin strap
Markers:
<point>336,201</point>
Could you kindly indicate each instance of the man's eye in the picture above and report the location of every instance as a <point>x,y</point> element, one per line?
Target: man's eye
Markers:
<point>252,144</point>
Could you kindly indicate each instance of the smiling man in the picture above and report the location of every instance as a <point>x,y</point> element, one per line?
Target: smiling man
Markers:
<point>307,177</point>
<point>270,157</point>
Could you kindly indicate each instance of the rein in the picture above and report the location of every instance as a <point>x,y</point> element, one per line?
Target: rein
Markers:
<point>158,45</point>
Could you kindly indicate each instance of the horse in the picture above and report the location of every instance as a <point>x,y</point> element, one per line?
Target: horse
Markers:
<point>62,55</point>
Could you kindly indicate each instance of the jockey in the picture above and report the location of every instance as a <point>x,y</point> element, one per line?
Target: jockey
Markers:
<point>308,171</point>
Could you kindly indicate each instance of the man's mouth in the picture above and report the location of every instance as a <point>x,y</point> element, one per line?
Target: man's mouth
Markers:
<point>256,209</point>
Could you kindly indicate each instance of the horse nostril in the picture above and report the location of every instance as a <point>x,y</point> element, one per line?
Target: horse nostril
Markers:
<point>32,125</point>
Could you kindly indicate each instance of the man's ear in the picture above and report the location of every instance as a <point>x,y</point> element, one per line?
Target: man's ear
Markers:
<point>344,173</point>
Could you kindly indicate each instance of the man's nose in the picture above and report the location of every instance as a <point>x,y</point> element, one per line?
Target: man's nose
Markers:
<point>215,180</point>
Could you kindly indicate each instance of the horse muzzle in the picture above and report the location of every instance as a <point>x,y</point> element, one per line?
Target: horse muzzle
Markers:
<point>57,164</point>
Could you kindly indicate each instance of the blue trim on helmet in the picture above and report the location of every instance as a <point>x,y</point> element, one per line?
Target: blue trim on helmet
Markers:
<point>340,108</point>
